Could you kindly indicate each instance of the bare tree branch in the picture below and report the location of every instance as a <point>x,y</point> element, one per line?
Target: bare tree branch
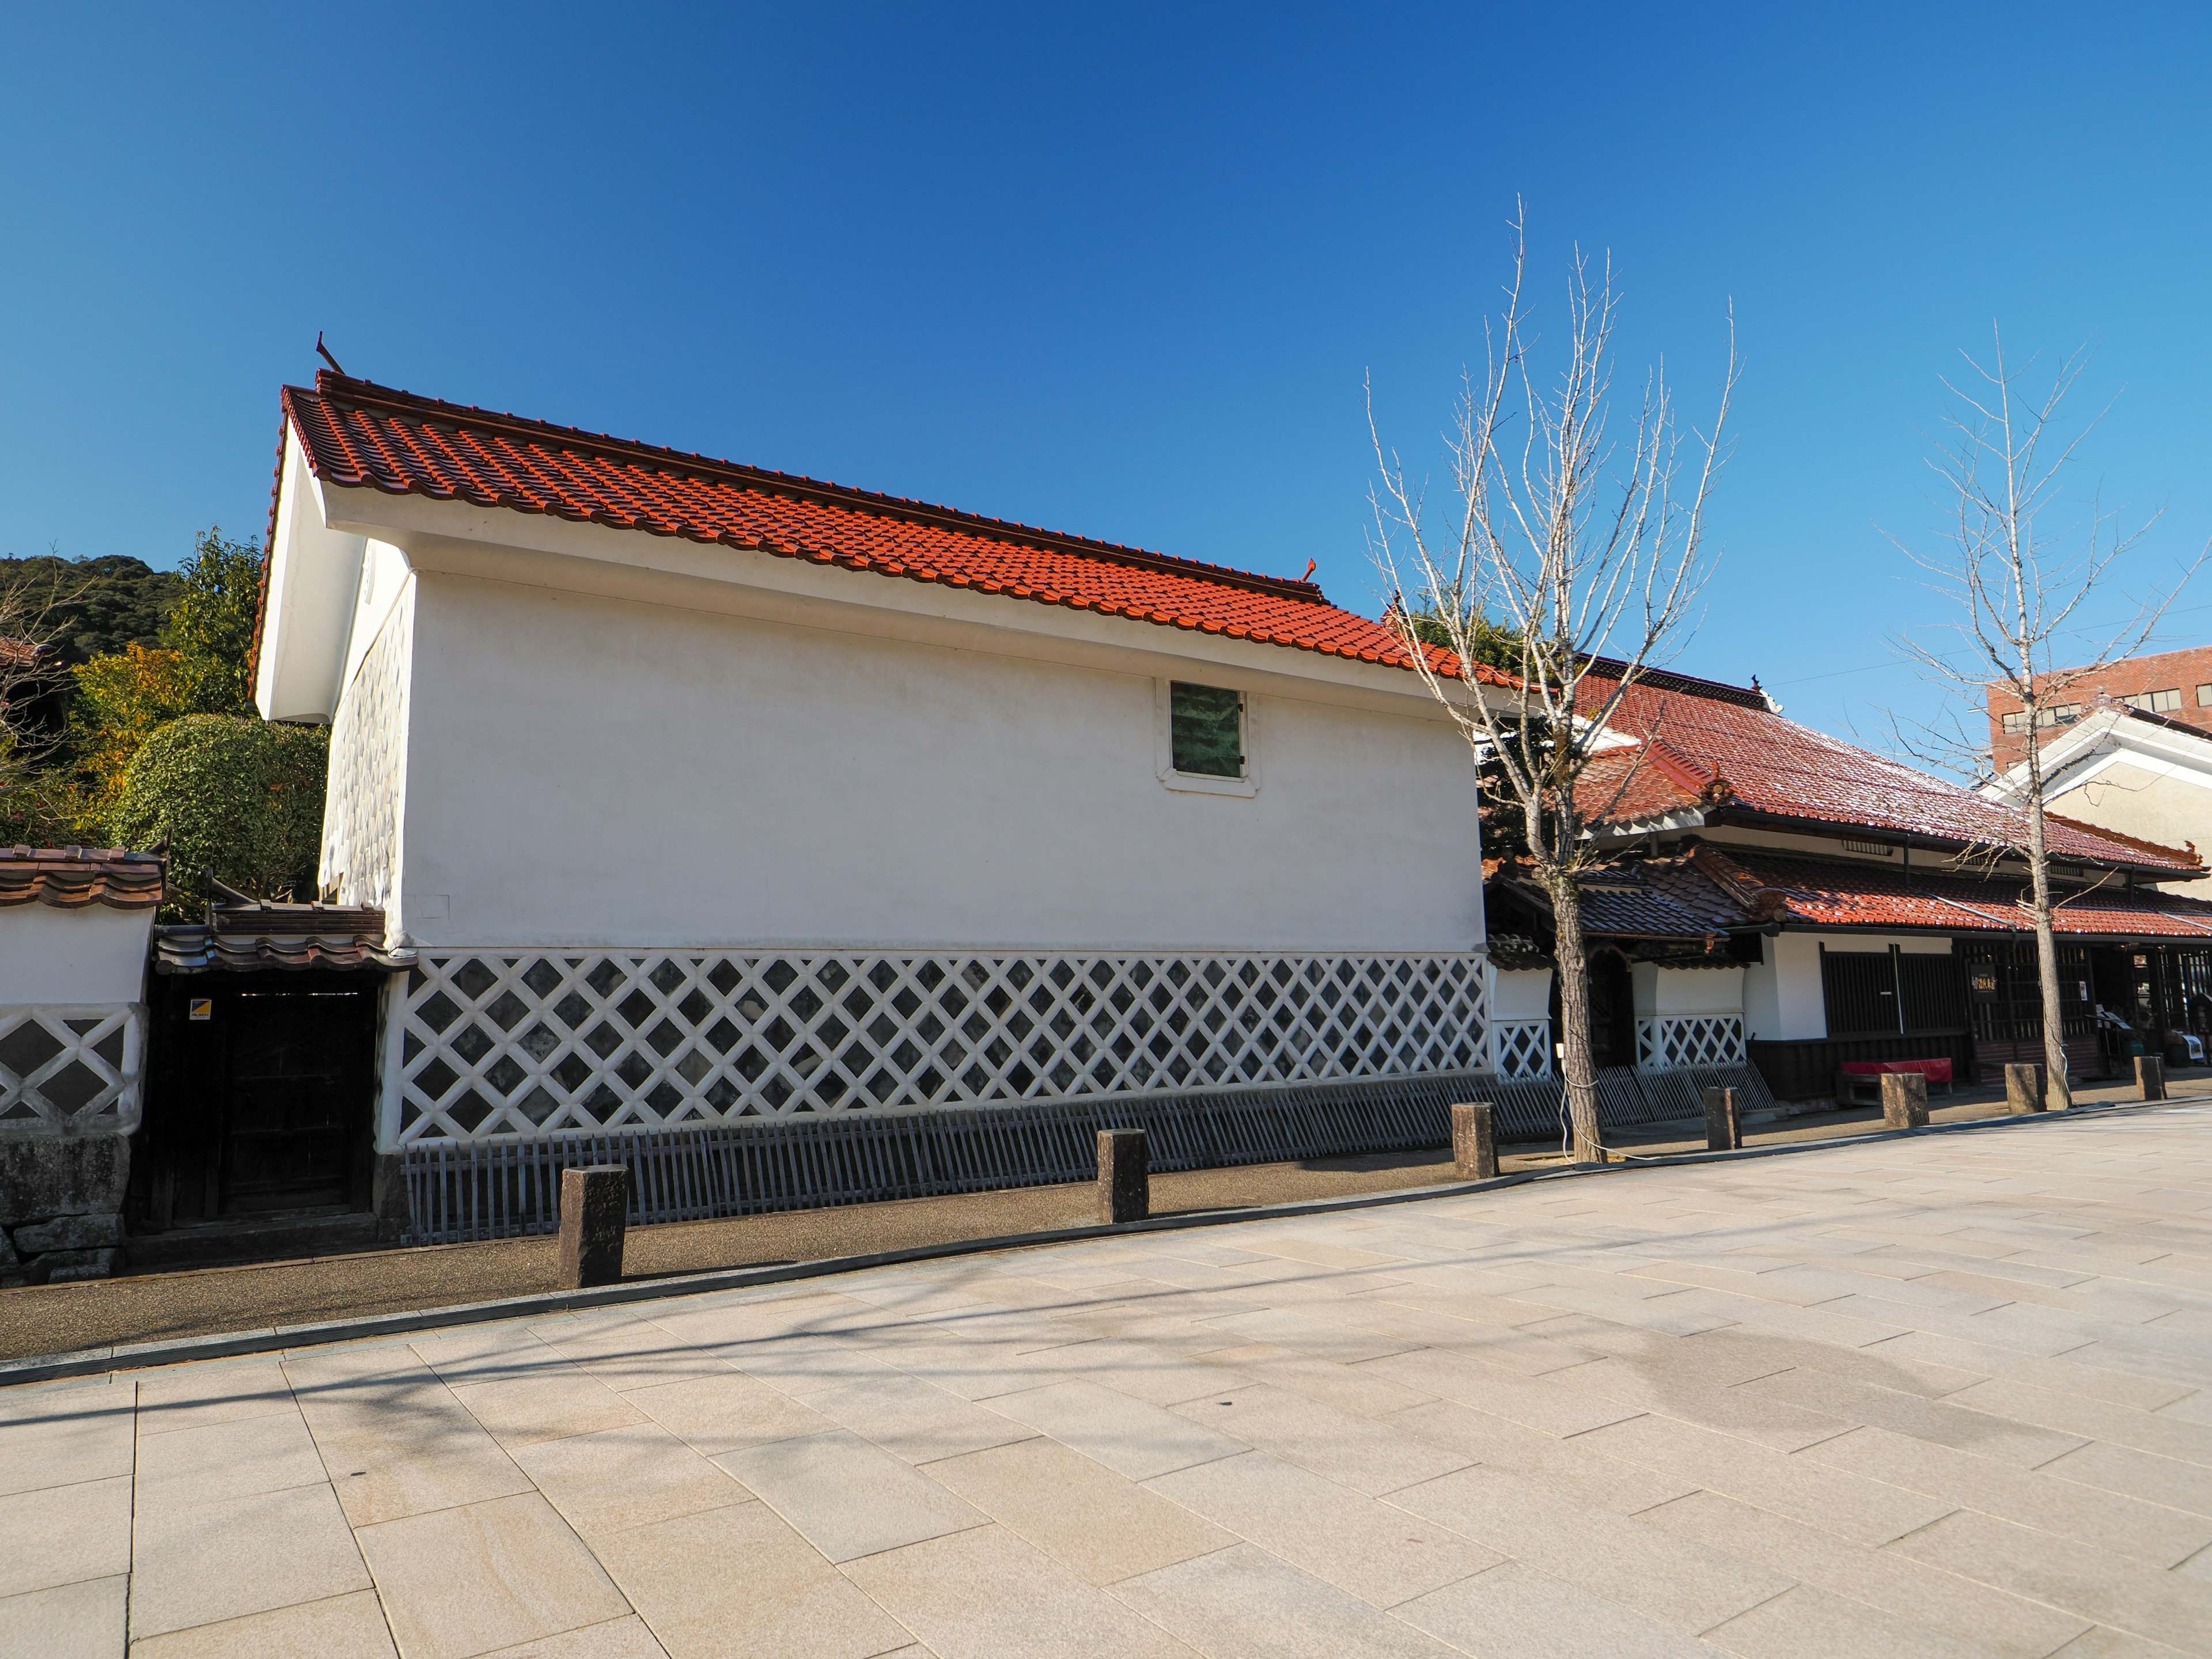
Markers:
<point>1585,556</point>
<point>2014,588</point>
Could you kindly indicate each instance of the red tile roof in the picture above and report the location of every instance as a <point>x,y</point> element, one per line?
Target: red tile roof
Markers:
<point>72,877</point>
<point>358,435</point>
<point>1839,895</point>
<point>1722,750</point>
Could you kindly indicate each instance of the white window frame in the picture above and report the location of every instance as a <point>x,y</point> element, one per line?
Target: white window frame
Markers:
<point>1204,783</point>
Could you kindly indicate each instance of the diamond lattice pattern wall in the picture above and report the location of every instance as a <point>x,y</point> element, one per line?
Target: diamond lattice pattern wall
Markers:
<point>1667,1042</point>
<point>505,1043</point>
<point>68,1069</point>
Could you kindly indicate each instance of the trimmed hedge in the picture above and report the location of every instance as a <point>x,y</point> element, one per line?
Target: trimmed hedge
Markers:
<point>241,796</point>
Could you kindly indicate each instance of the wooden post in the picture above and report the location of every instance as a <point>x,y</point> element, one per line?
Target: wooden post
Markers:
<point>1723,1132</point>
<point>1474,1141</point>
<point>1125,1175</point>
<point>1904,1100</point>
<point>2150,1078</point>
<point>2024,1087</point>
<point>594,1212</point>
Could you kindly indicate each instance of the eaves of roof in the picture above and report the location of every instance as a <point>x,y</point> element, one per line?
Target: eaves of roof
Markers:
<point>355,435</point>
<point>75,878</point>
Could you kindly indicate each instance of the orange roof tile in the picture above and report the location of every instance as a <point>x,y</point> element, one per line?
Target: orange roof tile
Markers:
<point>360,436</point>
<point>1722,747</point>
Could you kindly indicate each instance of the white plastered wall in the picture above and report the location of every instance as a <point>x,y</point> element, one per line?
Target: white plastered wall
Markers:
<point>582,769</point>
<point>1661,990</point>
<point>1521,993</point>
<point>96,954</point>
<point>314,584</point>
<point>1781,997</point>
<point>2146,796</point>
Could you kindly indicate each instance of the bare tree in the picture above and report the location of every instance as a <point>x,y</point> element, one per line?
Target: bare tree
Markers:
<point>1571,565</point>
<point>2020,590</point>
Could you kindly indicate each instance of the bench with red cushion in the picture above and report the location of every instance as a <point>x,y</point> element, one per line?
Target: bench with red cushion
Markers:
<point>1935,1071</point>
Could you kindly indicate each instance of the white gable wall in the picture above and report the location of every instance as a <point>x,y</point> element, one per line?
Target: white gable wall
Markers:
<point>588,770</point>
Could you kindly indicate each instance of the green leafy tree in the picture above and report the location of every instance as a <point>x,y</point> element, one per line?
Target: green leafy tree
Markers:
<point>238,796</point>
<point>211,627</point>
<point>93,606</point>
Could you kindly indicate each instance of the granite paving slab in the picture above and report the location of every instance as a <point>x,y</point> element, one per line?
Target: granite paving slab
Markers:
<point>1946,1397</point>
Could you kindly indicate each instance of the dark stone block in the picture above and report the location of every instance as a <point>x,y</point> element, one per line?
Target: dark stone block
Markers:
<point>59,1267</point>
<point>70,1232</point>
<point>388,1197</point>
<point>594,1213</point>
<point>2024,1087</point>
<point>1723,1129</point>
<point>1474,1141</point>
<point>1125,1175</point>
<point>42,1177</point>
<point>1904,1100</point>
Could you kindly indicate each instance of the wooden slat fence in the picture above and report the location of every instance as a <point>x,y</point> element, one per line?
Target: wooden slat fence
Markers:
<point>506,1190</point>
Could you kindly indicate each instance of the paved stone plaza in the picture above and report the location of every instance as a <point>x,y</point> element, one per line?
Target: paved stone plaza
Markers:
<point>1948,1394</point>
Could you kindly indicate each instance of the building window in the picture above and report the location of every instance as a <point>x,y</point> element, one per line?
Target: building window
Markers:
<point>2204,696</point>
<point>2160,702</point>
<point>1205,730</point>
<point>2065,713</point>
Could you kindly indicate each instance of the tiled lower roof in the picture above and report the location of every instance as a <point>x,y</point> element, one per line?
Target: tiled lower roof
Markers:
<point>72,877</point>
<point>1724,752</point>
<point>356,435</point>
<point>1814,892</point>
<point>1648,899</point>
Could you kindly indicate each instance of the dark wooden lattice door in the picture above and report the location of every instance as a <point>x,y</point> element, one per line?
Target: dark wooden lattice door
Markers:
<point>301,1069</point>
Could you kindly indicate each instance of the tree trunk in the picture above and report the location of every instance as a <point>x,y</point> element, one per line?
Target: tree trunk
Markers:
<point>2057,1093</point>
<point>1574,1017</point>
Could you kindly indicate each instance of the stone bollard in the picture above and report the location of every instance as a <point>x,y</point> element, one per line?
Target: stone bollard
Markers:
<point>1723,1132</point>
<point>1904,1100</point>
<point>2023,1088</point>
<point>1125,1175</point>
<point>1474,1141</point>
<point>2150,1078</point>
<point>594,1211</point>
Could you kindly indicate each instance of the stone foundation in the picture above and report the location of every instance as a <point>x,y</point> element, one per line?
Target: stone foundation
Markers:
<point>61,1206</point>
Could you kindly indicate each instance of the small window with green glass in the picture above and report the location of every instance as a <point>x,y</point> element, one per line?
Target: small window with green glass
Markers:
<point>1206,726</point>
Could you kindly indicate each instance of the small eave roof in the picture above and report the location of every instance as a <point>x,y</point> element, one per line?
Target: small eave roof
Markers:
<point>356,435</point>
<point>74,877</point>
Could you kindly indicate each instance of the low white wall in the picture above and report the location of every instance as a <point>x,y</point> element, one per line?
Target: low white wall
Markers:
<point>1781,997</point>
<point>583,770</point>
<point>1521,993</point>
<point>1660,990</point>
<point>92,955</point>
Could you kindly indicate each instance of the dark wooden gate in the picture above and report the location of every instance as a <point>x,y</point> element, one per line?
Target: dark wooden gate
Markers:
<point>260,1095</point>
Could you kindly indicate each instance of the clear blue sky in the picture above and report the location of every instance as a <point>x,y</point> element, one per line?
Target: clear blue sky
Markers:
<point>1116,271</point>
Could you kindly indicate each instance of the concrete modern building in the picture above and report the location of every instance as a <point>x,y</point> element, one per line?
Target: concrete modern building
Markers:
<point>2177,684</point>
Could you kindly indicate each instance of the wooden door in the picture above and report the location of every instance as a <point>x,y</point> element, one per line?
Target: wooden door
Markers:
<point>296,1104</point>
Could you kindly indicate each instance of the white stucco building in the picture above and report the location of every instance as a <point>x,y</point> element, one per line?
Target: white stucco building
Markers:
<point>704,794</point>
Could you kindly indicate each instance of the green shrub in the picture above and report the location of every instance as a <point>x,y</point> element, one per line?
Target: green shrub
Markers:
<point>237,795</point>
